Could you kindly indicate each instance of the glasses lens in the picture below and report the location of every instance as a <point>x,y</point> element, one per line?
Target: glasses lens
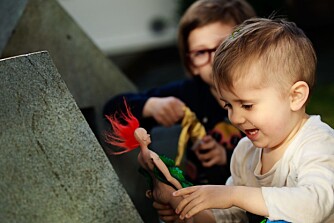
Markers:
<point>199,58</point>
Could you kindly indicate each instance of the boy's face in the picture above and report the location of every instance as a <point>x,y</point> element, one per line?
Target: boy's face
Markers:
<point>262,113</point>
<point>204,38</point>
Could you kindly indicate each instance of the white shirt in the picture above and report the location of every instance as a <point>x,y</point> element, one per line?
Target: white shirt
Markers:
<point>299,187</point>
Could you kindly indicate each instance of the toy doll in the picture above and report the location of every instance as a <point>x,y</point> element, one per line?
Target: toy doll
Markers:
<point>163,176</point>
<point>128,135</point>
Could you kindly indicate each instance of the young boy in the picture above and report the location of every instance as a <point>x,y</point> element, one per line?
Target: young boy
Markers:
<point>201,29</point>
<point>284,168</point>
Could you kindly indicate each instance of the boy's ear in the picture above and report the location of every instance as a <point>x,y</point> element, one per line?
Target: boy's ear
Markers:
<point>299,93</point>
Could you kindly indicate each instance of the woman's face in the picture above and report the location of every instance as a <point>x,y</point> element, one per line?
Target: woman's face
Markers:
<point>201,40</point>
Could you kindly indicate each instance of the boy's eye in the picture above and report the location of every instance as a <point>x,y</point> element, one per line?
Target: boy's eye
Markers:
<point>247,107</point>
<point>227,106</point>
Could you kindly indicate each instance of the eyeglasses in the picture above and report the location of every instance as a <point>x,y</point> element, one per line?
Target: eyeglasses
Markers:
<point>202,57</point>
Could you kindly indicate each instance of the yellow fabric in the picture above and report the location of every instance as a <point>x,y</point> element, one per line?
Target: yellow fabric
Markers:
<point>191,129</point>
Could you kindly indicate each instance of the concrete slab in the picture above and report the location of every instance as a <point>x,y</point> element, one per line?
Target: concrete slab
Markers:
<point>52,168</point>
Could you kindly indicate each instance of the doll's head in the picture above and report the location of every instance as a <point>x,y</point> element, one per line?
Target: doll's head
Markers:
<point>142,137</point>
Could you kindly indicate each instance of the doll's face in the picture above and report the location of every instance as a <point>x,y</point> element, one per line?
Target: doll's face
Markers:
<point>142,136</point>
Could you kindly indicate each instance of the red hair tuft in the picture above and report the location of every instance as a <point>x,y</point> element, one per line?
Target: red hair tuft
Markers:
<point>122,135</point>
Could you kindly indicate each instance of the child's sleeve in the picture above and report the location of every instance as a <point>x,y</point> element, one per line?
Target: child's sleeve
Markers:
<point>308,192</point>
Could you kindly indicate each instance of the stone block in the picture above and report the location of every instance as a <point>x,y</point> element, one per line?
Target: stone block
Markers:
<point>52,168</point>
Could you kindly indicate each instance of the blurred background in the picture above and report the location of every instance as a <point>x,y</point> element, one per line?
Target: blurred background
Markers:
<point>140,38</point>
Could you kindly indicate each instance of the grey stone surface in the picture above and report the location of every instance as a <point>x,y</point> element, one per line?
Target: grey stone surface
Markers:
<point>52,168</point>
<point>90,76</point>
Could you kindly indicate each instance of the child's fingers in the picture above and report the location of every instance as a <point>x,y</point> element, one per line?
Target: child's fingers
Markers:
<point>181,207</point>
<point>189,212</point>
<point>192,208</point>
<point>184,191</point>
<point>184,204</point>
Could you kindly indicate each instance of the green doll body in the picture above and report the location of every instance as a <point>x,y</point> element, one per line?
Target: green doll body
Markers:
<point>175,171</point>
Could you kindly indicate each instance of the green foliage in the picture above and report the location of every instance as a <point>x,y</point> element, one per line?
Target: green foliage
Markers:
<point>322,103</point>
<point>176,172</point>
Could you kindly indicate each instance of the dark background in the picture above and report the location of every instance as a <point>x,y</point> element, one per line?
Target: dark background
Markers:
<point>159,66</point>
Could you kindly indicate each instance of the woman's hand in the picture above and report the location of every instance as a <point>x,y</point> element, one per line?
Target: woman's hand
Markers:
<point>210,152</point>
<point>166,212</point>
<point>166,111</point>
<point>199,198</point>
<point>164,201</point>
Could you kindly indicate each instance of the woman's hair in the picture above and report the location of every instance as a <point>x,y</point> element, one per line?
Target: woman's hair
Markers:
<point>204,12</point>
<point>280,50</point>
<point>123,128</point>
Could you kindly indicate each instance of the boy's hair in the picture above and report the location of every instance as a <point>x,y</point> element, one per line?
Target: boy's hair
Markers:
<point>279,48</point>
<point>204,12</point>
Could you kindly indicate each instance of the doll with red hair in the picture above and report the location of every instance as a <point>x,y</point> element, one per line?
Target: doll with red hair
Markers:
<point>164,176</point>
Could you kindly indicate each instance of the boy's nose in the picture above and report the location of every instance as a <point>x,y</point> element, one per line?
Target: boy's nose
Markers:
<point>236,117</point>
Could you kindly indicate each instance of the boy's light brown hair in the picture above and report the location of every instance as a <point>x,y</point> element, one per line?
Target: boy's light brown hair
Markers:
<point>282,51</point>
<point>204,12</point>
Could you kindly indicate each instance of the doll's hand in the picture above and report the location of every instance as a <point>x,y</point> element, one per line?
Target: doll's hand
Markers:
<point>199,198</point>
<point>210,152</point>
<point>166,111</point>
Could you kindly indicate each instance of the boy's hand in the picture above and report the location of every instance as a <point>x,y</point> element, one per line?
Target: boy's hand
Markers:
<point>166,111</point>
<point>199,198</point>
<point>210,152</point>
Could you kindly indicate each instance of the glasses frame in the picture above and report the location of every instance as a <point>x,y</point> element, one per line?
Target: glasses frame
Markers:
<point>208,52</point>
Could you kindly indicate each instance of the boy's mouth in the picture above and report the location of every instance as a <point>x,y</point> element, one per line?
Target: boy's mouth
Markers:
<point>251,133</point>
